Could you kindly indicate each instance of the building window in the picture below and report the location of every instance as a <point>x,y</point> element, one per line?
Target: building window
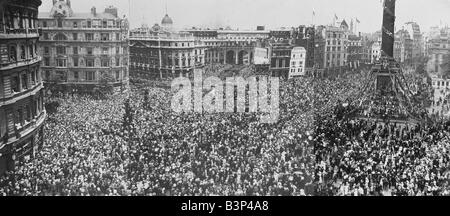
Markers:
<point>75,75</point>
<point>22,52</point>
<point>89,36</point>
<point>89,50</point>
<point>90,63</point>
<point>117,75</point>
<point>75,24</point>
<point>90,75</point>
<point>12,54</point>
<point>60,50</point>
<point>105,24</point>
<point>46,36</point>
<point>117,62</point>
<point>75,62</point>
<point>105,63</point>
<point>60,37</point>
<point>31,51</point>
<point>89,24</point>
<point>46,50</point>
<point>75,50</point>
<point>46,61</point>
<point>104,36</point>
<point>117,50</point>
<point>14,83</point>
<point>75,36</point>
<point>117,36</point>
<point>33,77</point>
<point>24,81</point>
<point>44,24</point>
<point>61,62</point>
<point>105,50</point>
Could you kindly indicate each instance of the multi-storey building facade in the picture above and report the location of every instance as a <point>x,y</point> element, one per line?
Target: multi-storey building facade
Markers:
<point>84,50</point>
<point>417,40</point>
<point>22,112</point>
<point>160,53</point>
<point>298,64</point>
<point>305,37</point>
<point>375,52</point>
<point>438,52</point>
<point>355,50</point>
<point>404,51</point>
<point>280,58</point>
<point>336,47</point>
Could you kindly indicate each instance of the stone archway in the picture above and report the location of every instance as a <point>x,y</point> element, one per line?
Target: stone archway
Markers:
<point>230,58</point>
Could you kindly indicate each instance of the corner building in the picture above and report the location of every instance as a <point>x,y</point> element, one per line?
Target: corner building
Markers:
<point>83,50</point>
<point>22,112</point>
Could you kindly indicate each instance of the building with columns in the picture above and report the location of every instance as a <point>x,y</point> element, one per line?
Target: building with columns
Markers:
<point>83,50</point>
<point>22,112</point>
<point>159,53</point>
<point>280,58</point>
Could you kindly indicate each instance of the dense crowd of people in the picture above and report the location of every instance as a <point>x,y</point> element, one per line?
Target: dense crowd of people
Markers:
<point>134,144</point>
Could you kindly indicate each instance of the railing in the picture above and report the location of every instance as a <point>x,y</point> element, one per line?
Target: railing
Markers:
<point>28,128</point>
<point>19,31</point>
<point>16,96</point>
<point>20,63</point>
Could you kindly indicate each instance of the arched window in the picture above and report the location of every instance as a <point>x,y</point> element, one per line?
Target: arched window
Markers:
<point>60,37</point>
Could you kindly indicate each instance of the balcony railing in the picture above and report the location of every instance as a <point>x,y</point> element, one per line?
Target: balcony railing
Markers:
<point>17,96</point>
<point>19,33</point>
<point>24,62</point>
<point>24,130</point>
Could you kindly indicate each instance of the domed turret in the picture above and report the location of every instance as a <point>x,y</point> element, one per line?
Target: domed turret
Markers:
<point>166,21</point>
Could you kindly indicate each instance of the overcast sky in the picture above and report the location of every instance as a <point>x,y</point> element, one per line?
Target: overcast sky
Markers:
<point>247,14</point>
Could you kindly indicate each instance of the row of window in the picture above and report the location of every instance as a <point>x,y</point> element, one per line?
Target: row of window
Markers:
<point>279,63</point>
<point>63,50</point>
<point>17,18</point>
<point>299,70</point>
<point>295,63</point>
<point>84,24</point>
<point>87,37</point>
<point>334,49</point>
<point>21,116</point>
<point>20,52</point>
<point>336,35</point>
<point>339,55</point>
<point>79,75</point>
<point>21,81</point>
<point>441,83</point>
<point>80,62</point>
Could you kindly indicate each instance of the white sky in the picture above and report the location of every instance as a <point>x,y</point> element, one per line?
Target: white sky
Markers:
<point>247,14</point>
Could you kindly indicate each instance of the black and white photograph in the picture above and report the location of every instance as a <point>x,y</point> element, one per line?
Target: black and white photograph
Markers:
<point>228,98</point>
